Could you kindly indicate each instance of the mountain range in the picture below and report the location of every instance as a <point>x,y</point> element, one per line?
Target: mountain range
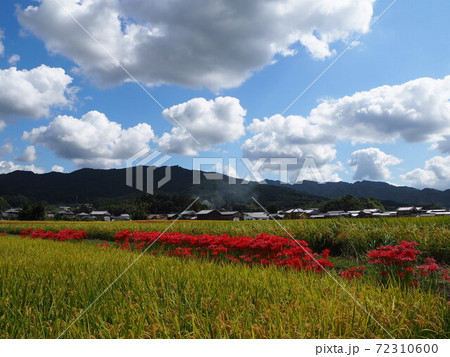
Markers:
<point>93,185</point>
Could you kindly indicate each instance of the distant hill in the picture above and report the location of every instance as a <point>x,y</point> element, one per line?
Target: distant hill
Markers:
<point>381,191</point>
<point>93,185</point>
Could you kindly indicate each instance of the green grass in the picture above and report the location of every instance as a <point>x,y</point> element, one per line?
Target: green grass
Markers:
<point>349,237</point>
<point>45,285</point>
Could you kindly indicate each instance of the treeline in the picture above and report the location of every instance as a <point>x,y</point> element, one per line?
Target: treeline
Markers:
<point>350,203</point>
<point>36,212</point>
<point>30,212</point>
<point>139,207</point>
<point>142,206</point>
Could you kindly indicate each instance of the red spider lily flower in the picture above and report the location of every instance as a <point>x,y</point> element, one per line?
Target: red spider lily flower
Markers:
<point>409,269</point>
<point>400,254</point>
<point>384,272</point>
<point>262,249</point>
<point>60,236</point>
<point>123,236</point>
<point>26,232</point>
<point>401,275</point>
<point>352,273</point>
<point>325,253</point>
<point>430,265</point>
<point>105,245</point>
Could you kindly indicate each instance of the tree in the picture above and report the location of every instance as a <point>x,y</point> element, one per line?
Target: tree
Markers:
<point>17,200</point>
<point>33,213</point>
<point>272,207</point>
<point>350,203</point>
<point>139,214</point>
<point>83,208</point>
<point>4,205</point>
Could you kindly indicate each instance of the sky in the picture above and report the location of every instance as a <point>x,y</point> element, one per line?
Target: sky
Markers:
<point>361,87</point>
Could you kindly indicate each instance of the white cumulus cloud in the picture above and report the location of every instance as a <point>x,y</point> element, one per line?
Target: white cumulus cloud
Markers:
<point>9,166</point>
<point>210,122</point>
<point>436,174</point>
<point>289,137</point>
<point>28,156</point>
<point>372,164</point>
<point>32,93</point>
<point>91,141</point>
<point>57,168</point>
<point>14,59</point>
<point>415,111</point>
<point>216,43</point>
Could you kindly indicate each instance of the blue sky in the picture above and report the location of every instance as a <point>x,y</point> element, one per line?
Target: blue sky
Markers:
<point>381,112</point>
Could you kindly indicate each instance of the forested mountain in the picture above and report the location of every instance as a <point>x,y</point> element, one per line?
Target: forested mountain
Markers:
<point>94,185</point>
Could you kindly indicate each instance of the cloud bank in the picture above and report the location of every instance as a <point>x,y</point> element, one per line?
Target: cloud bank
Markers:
<point>91,141</point>
<point>417,111</point>
<point>435,174</point>
<point>214,44</point>
<point>32,93</point>
<point>210,122</point>
<point>372,164</point>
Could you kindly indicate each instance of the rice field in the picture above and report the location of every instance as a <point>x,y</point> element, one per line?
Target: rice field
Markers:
<point>45,285</point>
<point>348,237</point>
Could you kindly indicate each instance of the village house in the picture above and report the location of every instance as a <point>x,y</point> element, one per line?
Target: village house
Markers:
<point>310,211</point>
<point>12,213</point>
<point>337,214</point>
<point>231,215</point>
<point>407,211</point>
<point>105,215</point>
<point>354,214</point>
<point>277,216</point>
<point>188,215</point>
<point>157,216</point>
<point>385,214</point>
<point>426,215</point>
<point>209,215</point>
<point>66,213</point>
<point>255,216</point>
<point>442,213</point>
<point>438,210</point>
<point>83,216</point>
<point>123,217</point>
<point>295,213</point>
<point>317,216</point>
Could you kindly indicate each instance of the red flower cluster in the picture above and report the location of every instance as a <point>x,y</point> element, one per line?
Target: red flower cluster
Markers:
<point>61,236</point>
<point>398,261</point>
<point>262,249</point>
<point>400,254</point>
<point>352,273</point>
<point>429,266</point>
